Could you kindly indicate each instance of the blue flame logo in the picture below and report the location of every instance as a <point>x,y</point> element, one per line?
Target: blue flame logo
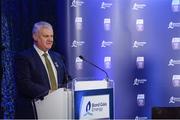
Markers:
<point>88,108</point>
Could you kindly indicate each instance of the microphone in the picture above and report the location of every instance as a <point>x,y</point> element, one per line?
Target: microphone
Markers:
<point>82,58</point>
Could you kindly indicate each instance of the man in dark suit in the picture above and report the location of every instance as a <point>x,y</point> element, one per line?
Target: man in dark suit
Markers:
<point>39,71</point>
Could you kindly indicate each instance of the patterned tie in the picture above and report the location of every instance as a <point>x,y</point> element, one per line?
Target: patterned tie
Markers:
<point>50,72</point>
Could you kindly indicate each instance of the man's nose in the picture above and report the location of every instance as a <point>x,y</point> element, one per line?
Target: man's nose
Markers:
<point>50,39</point>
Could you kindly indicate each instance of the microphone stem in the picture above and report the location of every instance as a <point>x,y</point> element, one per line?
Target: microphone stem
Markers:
<point>107,77</point>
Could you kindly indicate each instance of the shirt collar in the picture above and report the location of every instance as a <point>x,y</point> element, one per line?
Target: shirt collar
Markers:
<point>39,51</point>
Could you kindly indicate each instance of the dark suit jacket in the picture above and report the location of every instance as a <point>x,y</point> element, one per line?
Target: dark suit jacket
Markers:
<point>32,79</point>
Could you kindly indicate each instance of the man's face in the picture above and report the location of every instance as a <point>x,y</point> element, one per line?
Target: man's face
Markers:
<point>44,39</point>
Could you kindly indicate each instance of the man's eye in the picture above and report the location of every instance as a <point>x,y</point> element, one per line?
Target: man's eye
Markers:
<point>45,35</point>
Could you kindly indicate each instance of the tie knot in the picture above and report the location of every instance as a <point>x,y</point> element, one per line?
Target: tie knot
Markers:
<point>45,54</point>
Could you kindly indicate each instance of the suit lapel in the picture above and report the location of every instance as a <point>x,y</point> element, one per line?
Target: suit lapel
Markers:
<point>40,66</point>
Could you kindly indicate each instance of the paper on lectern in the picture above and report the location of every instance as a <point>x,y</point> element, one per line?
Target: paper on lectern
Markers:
<point>54,106</point>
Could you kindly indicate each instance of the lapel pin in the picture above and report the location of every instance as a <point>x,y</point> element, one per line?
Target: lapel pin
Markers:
<point>56,64</point>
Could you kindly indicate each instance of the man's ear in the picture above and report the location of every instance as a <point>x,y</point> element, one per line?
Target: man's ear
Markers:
<point>35,37</point>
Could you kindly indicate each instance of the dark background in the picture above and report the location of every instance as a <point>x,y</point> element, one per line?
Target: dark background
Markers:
<point>17,19</point>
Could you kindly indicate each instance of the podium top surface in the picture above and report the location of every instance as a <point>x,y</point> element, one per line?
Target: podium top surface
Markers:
<point>90,85</point>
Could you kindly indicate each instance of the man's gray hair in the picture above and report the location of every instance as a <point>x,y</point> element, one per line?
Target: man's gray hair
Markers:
<point>42,24</point>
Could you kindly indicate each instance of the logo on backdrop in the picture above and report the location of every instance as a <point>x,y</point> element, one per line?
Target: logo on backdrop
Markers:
<point>106,43</point>
<point>176,43</point>
<point>93,107</point>
<point>140,62</point>
<point>139,6</point>
<point>76,43</point>
<point>172,25</point>
<point>78,23</point>
<point>79,63</point>
<point>105,5</point>
<point>139,81</point>
<point>173,62</point>
<point>107,62</point>
<point>175,5</point>
<point>140,25</point>
<point>141,99</point>
<point>137,44</point>
<point>77,3</point>
<point>107,24</point>
<point>141,118</point>
<point>176,80</point>
<point>173,99</point>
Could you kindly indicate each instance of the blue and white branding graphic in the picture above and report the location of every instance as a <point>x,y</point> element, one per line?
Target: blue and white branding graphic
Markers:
<point>79,63</point>
<point>141,99</point>
<point>105,5</point>
<point>93,107</point>
<point>138,6</point>
<point>176,80</point>
<point>140,62</point>
<point>176,43</point>
<point>139,81</point>
<point>137,44</point>
<point>88,109</point>
<point>107,24</point>
<point>78,22</point>
<point>141,118</point>
<point>107,62</point>
<point>175,5</point>
<point>77,3</point>
<point>173,99</point>
<point>172,25</point>
<point>140,25</point>
<point>76,43</point>
<point>173,62</point>
<point>106,43</point>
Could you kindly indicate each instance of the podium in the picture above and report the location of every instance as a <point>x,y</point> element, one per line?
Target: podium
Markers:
<point>82,99</point>
<point>55,105</point>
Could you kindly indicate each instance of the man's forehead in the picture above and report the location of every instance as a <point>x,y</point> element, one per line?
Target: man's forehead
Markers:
<point>46,30</point>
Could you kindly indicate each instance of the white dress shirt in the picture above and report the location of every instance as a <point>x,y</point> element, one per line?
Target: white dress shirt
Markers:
<point>40,53</point>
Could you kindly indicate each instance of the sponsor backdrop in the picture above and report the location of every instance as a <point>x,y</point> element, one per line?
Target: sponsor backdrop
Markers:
<point>136,41</point>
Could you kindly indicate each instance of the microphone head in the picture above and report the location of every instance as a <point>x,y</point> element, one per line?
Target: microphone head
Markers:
<point>81,57</point>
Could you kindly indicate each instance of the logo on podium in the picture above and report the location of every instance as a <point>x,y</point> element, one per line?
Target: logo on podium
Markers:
<point>94,107</point>
<point>88,109</point>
